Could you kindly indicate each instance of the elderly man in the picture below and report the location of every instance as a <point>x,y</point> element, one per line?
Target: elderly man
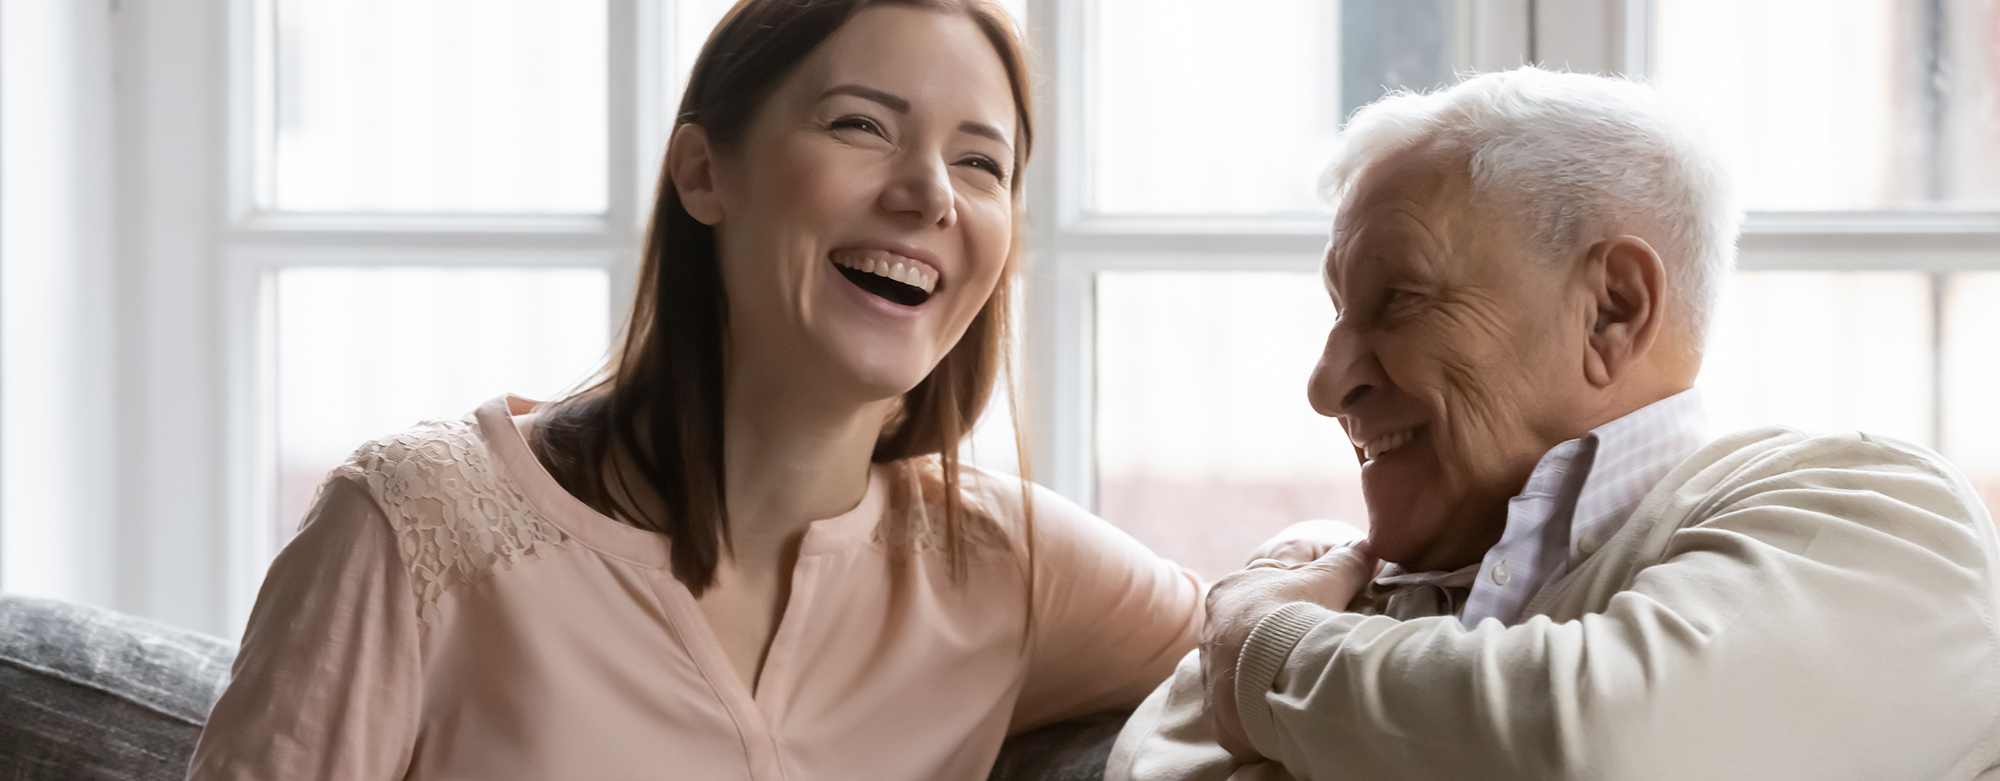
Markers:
<point>1578,581</point>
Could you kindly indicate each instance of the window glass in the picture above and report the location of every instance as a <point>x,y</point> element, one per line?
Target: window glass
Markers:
<point>1842,104</point>
<point>1194,106</point>
<point>1971,433</point>
<point>1206,445</point>
<point>438,106</point>
<point>1823,351</point>
<point>366,352</point>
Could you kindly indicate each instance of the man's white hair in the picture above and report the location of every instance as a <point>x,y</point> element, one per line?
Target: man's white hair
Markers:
<point>1575,156</point>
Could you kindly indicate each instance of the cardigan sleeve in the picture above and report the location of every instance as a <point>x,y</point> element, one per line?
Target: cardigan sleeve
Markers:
<point>1110,617</point>
<point>1830,617</point>
<point>328,682</point>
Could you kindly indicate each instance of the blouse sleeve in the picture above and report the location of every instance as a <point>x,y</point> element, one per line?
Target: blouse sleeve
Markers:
<point>327,684</point>
<point>1110,620</point>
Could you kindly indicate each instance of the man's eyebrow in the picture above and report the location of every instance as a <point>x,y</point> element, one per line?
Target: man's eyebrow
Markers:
<point>896,104</point>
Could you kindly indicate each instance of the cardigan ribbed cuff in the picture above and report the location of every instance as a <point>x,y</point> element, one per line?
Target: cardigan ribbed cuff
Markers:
<point>1264,653</point>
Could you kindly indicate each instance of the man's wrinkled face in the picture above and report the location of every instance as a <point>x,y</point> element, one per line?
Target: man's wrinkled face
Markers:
<point>1455,360</point>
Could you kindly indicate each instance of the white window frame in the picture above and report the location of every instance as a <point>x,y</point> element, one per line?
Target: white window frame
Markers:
<point>258,243</point>
<point>191,464</point>
<point>1070,250</point>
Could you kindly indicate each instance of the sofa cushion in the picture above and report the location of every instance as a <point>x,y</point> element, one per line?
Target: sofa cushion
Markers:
<point>91,694</point>
<point>1074,750</point>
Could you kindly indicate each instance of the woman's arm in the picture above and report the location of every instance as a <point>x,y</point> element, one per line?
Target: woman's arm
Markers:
<point>328,683</point>
<point>1111,618</point>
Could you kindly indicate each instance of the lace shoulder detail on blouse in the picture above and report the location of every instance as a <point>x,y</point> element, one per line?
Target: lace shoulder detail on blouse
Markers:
<point>916,511</point>
<point>457,517</point>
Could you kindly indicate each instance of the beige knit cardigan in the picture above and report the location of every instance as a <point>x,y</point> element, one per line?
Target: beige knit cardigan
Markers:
<point>1780,606</point>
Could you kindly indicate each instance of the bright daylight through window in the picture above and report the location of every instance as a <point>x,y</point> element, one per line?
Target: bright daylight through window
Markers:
<point>1873,117</point>
<point>1186,138</point>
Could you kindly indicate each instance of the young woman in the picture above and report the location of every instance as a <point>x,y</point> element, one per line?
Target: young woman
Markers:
<point>749,551</point>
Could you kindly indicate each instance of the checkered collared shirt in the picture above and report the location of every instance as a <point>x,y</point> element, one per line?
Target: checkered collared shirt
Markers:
<point>1580,494</point>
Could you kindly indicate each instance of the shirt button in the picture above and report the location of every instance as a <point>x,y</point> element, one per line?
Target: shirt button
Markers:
<point>1588,545</point>
<point>1500,575</point>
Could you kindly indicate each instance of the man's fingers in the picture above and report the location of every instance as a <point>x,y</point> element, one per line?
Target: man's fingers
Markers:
<point>1344,571</point>
<point>1344,562</point>
<point>1307,540</point>
<point>1344,556</point>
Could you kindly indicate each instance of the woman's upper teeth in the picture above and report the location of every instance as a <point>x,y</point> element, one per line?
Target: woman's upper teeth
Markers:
<point>1386,443</point>
<point>888,264</point>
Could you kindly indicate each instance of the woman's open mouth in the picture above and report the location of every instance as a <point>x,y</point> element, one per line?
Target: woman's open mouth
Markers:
<point>887,275</point>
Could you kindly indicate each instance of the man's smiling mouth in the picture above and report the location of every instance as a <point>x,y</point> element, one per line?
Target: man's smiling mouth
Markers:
<point>1374,448</point>
<point>887,275</point>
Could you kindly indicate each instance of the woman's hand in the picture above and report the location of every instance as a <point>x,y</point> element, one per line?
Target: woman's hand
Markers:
<point>1305,541</point>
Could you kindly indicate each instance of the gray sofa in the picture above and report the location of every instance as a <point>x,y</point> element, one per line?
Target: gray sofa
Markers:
<point>91,694</point>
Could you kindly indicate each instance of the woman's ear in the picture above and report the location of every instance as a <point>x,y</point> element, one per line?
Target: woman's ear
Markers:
<point>1630,284</point>
<point>691,168</point>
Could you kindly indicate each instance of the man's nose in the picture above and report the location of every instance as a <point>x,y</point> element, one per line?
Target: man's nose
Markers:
<point>1347,374</point>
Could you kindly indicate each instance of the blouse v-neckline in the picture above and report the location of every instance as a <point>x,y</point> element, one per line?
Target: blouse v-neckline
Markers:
<point>748,703</point>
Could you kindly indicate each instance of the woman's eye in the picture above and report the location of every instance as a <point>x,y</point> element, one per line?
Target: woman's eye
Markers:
<point>862,124</point>
<point>988,165</point>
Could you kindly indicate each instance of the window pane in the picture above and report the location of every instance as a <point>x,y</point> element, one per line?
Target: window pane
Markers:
<point>1971,432</point>
<point>1194,106</point>
<point>440,106</point>
<point>1842,104</point>
<point>364,352</point>
<point>1205,442</point>
<point>1823,351</point>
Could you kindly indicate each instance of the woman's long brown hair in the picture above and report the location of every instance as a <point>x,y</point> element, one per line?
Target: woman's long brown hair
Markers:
<point>659,402</point>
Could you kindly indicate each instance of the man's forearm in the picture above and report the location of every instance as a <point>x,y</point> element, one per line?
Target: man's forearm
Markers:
<point>1257,665</point>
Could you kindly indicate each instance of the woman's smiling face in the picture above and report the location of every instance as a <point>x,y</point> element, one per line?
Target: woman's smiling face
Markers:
<point>866,214</point>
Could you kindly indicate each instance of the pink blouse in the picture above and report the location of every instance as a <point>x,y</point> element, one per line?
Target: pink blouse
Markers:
<point>448,611</point>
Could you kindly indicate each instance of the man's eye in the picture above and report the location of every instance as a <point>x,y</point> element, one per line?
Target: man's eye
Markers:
<point>1399,303</point>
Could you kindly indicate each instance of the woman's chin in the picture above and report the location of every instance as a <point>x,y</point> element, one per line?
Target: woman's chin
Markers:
<point>878,382</point>
<point>862,366</point>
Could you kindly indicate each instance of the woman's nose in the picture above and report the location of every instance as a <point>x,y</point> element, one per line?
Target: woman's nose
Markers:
<point>922,188</point>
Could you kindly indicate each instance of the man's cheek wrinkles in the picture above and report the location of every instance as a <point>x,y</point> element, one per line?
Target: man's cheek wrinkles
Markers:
<point>1475,405</point>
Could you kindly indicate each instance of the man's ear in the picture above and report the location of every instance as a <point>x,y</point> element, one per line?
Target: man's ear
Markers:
<point>691,169</point>
<point>1629,284</point>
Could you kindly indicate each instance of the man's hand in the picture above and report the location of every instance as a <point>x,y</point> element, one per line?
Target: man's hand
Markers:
<point>1307,540</point>
<point>1237,602</point>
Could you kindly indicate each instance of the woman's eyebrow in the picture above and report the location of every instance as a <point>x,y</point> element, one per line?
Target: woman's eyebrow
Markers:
<point>984,130</point>
<point>896,104</point>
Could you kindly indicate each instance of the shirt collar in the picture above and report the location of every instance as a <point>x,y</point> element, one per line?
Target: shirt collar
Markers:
<point>1634,453</point>
<point>1580,493</point>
